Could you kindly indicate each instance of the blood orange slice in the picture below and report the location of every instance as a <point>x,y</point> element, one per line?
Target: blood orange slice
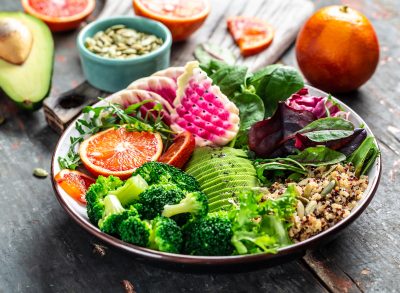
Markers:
<point>60,15</point>
<point>74,183</point>
<point>180,151</point>
<point>119,152</point>
<point>253,35</point>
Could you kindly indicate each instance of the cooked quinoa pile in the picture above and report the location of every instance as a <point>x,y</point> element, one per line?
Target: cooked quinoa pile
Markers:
<point>325,197</point>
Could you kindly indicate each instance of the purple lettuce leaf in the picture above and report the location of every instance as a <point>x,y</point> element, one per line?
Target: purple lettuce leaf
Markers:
<point>345,145</point>
<point>320,106</point>
<point>274,137</point>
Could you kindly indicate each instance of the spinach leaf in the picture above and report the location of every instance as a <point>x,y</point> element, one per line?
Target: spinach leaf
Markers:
<point>318,156</point>
<point>204,53</point>
<point>230,79</point>
<point>326,129</point>
<point>276,83</point>
<point>251,110</point>
<point>364,157</point>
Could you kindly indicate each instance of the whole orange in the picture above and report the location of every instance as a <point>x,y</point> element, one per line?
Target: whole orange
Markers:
<point>337,49</point>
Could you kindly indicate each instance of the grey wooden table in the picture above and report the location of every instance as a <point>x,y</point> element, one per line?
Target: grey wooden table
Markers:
<point>43,250</point>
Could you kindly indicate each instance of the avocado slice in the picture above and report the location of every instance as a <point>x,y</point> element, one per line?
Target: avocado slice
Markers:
<point>29,83</point>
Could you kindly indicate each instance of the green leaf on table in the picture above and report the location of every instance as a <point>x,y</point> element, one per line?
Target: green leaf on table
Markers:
<point>327,129</point>
<point>318,156</point>
<point>276,83</point>
<point>204,53</point>
<point>364,156</point>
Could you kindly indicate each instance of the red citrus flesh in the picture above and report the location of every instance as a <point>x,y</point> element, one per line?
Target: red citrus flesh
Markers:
<point>253,35</point>
<point>74,183</point>
<point>119,152</point>
<point>180,151</point>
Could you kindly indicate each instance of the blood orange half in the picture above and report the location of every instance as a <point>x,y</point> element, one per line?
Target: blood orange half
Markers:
<point>60,15</point>
<point>119,152</point>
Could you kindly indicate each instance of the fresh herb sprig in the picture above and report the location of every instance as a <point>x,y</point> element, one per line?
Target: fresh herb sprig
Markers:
<point>113,115</point>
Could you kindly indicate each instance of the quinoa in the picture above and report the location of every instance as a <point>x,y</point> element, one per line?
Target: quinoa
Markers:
<point>318,210</point>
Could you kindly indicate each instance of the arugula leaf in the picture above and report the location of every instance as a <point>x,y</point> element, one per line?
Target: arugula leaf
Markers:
<point>204,53</point>
<point>364,157</point>
<point>318,156</point>
<point>326,129</point>
<point>270,170</point>
<point>275,83</point>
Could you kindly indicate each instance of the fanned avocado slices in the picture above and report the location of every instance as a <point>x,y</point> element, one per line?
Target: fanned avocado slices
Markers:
<point>27,83</point>
<point>222,173</point>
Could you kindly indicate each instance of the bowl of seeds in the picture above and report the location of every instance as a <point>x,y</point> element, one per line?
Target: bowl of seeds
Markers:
<point>115,51</point>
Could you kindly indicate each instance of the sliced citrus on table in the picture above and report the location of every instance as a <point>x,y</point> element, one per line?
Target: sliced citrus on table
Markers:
<point>253,35</point>
<point>74,183</point>
<point>60,15</point>
<point>119,152</point>
<point>180,151</point>
<point>182,17</point>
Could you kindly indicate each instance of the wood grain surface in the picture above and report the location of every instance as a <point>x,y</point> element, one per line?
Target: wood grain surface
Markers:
<point>43,250</point>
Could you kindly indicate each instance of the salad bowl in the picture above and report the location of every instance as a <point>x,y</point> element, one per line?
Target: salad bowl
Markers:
<point>295,250</point>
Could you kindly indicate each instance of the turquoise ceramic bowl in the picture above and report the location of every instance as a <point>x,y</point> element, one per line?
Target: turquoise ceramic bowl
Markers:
<point>112,75</point>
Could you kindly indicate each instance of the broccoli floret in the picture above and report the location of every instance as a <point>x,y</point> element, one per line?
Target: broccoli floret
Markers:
<point>195,203</point>
<point>160,173</point>
<point>209,235</point>
<point>129,192</point>
<point>166,235</point>
<point>154,199</point>
<point>135,231</point>
<point>114,214</point>
<point>95,196</point>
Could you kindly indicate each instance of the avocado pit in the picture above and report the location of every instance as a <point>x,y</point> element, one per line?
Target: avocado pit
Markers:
<point>15,40</point>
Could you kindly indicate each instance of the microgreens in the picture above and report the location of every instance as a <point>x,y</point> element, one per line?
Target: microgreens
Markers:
<point>113,115</point>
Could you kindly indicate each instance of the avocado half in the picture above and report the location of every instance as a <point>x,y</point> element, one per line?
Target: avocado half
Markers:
<point>29,83</point>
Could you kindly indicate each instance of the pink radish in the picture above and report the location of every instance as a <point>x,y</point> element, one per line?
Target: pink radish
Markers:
<point>202,109</point>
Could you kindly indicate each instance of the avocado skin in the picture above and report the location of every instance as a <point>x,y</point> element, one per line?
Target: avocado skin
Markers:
<point>38,81</point>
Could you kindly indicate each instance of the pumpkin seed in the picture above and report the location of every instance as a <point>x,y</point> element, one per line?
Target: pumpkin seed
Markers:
<point>328,188</point>
<point>303,199</point>
<point>118,41</point>
<point>117,26</point>
<point>40,173</point>
<point>300,209</point>
<point>310,207</point>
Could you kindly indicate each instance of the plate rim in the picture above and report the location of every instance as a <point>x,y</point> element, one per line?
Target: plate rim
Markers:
<point>222,260</point>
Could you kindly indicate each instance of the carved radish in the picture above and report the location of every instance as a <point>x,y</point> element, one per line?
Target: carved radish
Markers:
<point>171,72</point>
<point>202,109</point>
<point>164,86</point>
<point>125,98</point>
